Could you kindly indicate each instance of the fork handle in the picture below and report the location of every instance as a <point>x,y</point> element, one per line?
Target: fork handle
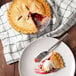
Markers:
<point>58,42</point>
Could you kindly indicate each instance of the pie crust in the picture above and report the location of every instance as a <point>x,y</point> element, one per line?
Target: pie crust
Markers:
<point>19,18</point>
<point>57,60</point>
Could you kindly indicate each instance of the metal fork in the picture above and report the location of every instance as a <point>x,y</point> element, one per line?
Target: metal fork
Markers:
<point>45,53</point>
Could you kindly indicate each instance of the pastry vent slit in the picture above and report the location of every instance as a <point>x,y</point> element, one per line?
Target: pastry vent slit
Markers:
<point>19,18</point>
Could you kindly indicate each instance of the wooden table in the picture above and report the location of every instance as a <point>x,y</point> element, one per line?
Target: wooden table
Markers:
<point>12,70</point>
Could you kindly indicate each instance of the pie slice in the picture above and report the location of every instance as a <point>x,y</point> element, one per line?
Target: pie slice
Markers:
<point>27,16</point>
<point>52,64</point>
<point>57,60</point>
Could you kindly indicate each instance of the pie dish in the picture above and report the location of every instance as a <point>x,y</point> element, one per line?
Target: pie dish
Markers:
<point>52,64</point>
<point>27,16</point>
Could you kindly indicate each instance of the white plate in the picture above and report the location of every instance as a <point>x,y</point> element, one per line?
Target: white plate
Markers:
<point>27,64</point>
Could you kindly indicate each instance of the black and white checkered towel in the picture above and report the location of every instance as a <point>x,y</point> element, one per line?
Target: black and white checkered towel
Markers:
<point>64,17</point>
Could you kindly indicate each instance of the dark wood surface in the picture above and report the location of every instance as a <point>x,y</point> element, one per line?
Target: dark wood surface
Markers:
<point>12,70</point>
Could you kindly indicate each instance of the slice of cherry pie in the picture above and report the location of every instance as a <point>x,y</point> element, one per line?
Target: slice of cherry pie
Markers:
<point>52,64</point>
<point>27,16</point>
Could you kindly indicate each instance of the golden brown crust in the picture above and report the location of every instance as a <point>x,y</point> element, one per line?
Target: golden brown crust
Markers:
<point>57,60</point>
<point>21,30</point>
<point>26,31</point>
<point>46,7</point>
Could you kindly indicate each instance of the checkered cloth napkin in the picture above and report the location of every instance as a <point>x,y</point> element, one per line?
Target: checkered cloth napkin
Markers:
<point>64,17</point>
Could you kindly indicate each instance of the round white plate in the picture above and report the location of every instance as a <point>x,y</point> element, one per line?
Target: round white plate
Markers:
<point>27,64</point>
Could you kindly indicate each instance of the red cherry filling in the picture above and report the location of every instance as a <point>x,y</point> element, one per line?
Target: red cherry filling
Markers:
<point>37,18</point>
<point>41,72</point>
<point>36,60</point>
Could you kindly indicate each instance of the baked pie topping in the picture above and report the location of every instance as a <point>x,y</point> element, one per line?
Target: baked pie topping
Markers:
<point>28,17</point>
<point>57,60</point>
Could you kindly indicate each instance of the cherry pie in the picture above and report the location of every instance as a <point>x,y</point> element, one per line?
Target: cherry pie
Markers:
<point>24,15</point>
<point>52,64</point>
